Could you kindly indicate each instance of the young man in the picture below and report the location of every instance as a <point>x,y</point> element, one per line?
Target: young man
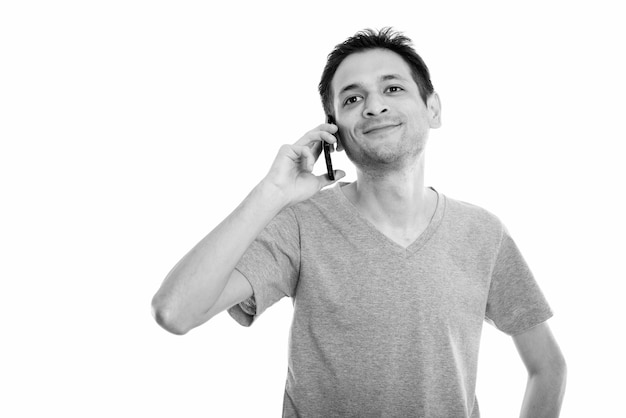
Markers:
<point>391,280</point>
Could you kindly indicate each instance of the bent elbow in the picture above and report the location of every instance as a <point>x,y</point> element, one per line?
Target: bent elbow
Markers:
<point>556,373</point>
<point>563,370</point>
<point>166,318</point>
<point>559,365</point>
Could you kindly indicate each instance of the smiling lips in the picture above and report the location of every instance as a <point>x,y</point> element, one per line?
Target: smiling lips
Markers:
<point>378,128</point>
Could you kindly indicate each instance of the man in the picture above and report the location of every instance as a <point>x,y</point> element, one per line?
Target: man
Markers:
<point>391,280</point>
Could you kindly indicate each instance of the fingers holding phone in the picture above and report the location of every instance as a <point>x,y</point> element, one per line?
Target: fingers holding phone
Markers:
<point>324,138</point>
<point>292,170</point>
<point>325,132</point>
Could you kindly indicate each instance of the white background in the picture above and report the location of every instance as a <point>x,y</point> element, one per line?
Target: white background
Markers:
<point>130,129</point>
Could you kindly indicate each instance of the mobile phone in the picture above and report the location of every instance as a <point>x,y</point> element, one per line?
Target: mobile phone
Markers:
<point>326,146</point>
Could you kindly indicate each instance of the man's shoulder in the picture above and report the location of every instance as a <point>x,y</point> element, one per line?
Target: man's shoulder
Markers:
<point>323,200</point>
<point>462,212</point>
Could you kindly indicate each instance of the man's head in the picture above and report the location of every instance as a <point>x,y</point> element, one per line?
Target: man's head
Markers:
<point>369,39</point>
<point>379,92</point>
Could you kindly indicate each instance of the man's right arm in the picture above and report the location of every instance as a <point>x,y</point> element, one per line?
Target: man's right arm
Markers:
<point>204,282</point>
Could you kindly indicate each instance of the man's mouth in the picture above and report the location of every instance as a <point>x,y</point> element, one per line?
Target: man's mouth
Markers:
<point>380,128</point>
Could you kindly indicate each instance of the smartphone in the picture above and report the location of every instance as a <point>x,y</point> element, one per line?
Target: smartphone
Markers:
<point>326,146</point>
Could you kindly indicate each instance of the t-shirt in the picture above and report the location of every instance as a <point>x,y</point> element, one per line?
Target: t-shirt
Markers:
<point>380,330</point>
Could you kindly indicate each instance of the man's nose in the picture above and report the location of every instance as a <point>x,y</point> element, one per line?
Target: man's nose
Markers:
<point>374,106</point>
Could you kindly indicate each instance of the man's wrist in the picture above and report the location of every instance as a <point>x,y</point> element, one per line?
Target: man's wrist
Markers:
<point>271,196</point>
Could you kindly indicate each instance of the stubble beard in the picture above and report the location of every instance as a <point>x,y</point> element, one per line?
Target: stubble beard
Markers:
<point>394,157</point>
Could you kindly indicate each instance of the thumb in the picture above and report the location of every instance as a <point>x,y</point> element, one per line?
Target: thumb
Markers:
<point>325,181</point>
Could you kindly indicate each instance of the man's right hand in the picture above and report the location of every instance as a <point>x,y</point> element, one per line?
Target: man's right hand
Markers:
<point>291,172</point>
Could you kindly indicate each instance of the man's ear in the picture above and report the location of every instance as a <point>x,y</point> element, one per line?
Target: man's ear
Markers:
<point>434,110</point>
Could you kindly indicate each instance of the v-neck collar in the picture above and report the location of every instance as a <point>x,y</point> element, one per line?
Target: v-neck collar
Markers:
<point>383,239</point>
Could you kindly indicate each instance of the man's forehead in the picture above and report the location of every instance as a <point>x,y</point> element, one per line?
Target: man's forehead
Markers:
<point>369,66</point>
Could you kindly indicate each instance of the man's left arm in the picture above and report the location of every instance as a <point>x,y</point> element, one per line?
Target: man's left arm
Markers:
<point>547,372</point>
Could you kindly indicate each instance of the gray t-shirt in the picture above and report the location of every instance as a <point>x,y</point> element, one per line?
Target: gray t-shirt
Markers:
<point>380,330</point>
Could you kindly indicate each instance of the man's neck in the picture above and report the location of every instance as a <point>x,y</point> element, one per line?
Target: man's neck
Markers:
<point>396,202</point>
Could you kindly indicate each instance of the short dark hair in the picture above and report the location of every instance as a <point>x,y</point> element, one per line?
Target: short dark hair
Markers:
<point>385,38</point>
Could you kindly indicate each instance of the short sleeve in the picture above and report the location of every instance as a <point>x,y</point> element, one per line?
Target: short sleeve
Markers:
<point>271,265</point>
<point>515,302</point>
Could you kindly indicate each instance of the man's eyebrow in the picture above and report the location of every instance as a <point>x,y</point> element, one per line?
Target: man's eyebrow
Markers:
<point>386,77</point>
<point>392,77</point>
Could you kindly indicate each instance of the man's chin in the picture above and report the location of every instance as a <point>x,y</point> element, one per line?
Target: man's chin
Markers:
<point>380,162</point>
<point>384,160</point>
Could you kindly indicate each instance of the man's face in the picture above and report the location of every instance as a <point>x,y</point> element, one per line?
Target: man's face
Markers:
<point>383,122</point>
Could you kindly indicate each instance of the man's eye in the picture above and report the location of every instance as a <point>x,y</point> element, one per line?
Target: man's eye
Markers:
<point>394,89</point>
<point>351,100</point>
